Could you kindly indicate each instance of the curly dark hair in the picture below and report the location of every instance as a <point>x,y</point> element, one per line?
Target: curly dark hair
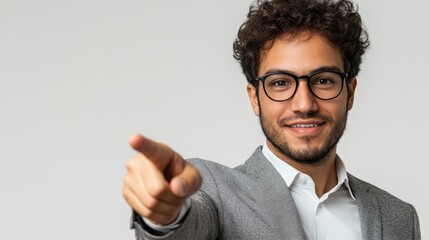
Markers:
<point>338,21</point>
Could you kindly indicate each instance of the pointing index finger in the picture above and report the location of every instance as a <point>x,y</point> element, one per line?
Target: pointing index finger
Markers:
<point>160,154</point>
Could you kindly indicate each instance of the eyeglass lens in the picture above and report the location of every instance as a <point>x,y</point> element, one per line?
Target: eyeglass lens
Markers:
<point>282,86</point>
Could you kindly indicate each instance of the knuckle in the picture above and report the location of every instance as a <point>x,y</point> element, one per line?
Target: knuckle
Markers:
<point>147,213</point>
<point>130,165</point>
<point>128,198</point>
<point>126,195</point>
<point>156,189</point>
<point>134,164</point>
<point>151,203</point>
<point>127,182</point>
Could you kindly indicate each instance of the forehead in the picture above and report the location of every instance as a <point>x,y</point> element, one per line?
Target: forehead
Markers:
<point>300,54</point>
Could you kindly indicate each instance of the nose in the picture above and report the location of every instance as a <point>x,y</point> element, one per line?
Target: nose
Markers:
<point>303,101</point>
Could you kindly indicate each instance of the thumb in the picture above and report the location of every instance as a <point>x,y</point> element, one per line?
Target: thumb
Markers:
<point>187,182</point>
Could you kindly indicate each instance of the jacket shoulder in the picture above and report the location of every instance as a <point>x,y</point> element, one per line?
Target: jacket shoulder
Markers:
<point>360,186</point>
<point>398,218</point>
<point>216,175</point>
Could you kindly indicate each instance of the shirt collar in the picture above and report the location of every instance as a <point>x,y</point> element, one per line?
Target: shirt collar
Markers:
<point>342,175</point>
<point>289,173</point>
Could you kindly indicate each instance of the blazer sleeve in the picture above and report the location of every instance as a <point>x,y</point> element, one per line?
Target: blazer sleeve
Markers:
<point>201,222</point>
<point>417,235</point>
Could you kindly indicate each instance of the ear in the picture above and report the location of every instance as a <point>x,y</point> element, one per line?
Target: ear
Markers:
<point>253,97</point>
<point>351,87</point>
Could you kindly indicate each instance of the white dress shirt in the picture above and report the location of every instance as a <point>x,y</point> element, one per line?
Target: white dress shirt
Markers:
<point>334,216</point>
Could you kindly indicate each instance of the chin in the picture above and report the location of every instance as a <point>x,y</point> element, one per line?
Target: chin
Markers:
<point>306,152</point>
<point>309,157</point>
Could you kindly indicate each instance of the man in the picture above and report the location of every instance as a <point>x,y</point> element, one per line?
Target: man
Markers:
<point>301,59</point>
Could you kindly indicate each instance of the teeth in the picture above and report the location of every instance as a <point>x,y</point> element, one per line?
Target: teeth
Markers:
<point>305,125</point>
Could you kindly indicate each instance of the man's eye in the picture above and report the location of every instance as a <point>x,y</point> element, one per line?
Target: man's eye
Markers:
<point>322,81</point>
<point>279,83</point>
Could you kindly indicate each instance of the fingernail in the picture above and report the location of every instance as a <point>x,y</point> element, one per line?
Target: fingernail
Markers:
<point>183,188</point>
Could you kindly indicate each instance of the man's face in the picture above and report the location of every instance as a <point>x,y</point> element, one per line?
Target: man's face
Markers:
<point>304,128</point>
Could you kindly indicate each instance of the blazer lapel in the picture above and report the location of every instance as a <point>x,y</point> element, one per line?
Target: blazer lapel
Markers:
<point>273,197</point>
<point>277,205</point>
<point>369,210</point>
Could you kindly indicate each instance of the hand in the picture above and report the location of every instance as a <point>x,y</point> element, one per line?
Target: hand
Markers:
<point>158,181</point>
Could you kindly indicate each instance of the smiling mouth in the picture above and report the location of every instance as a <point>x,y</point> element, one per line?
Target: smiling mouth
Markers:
<point>305,125</point>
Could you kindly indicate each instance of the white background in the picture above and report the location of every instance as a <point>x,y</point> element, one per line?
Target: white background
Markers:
<point>77,78</point>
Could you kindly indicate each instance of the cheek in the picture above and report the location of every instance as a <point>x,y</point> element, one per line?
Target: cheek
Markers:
<point>271,111</point>
<point>338,107</point>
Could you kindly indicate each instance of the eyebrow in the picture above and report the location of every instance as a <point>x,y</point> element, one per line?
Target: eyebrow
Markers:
<point>323,68</point>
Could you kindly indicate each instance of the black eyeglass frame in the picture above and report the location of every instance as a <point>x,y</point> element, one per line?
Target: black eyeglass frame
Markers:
<point>262,78</point>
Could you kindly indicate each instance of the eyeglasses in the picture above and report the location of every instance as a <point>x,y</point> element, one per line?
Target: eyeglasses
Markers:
<point>281,86</point>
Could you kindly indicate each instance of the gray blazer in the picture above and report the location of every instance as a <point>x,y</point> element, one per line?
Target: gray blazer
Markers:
<point>253,202</point>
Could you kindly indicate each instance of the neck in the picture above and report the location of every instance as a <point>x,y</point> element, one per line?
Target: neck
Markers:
<point>324,173</point>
